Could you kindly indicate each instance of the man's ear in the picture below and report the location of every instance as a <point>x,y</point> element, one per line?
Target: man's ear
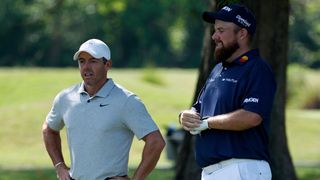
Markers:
<point>243,33</point>
<point>108,65</point>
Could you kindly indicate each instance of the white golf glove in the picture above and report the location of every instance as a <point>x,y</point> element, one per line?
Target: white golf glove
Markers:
<point>203,126</point>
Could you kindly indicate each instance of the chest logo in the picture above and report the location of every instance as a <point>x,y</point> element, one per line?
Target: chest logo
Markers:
<point>244,59</point>
<point>230,80</point>
<point>102,105</point>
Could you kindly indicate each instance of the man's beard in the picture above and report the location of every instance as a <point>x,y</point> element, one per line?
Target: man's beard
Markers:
<point>225,52</point>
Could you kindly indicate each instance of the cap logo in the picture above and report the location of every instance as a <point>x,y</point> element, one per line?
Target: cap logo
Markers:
<point>242,21</point>
<point>226,8</point>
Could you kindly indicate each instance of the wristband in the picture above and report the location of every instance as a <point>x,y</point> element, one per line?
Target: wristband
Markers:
<point>203,126</point>
<point>58,164</point>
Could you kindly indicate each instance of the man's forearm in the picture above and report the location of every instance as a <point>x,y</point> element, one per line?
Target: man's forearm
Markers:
<point>238,120</point>
<point>52,142</point>
<point>150,155</point>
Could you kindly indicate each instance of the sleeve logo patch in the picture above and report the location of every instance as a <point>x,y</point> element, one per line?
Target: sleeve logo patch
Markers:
<point>251,99</point>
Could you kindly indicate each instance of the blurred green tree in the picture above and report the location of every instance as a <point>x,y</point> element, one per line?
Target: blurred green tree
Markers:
<point>140,33</point>
<point>304,33</point>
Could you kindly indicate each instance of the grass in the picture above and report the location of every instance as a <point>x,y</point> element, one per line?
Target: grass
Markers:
<point>303,131</point>
<point>49,174</point>
<point>304,173</point>
<point>26,96</point>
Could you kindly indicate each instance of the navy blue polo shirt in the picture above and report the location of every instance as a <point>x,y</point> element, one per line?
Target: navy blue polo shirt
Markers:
<point>246,83</point>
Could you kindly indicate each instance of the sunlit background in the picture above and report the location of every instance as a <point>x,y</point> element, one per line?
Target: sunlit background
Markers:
<point>155,48</point>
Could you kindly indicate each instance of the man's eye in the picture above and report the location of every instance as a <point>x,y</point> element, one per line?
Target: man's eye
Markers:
<point>218,30</point>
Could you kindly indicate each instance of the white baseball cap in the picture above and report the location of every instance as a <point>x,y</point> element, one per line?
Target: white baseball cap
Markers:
<point>96,48</point>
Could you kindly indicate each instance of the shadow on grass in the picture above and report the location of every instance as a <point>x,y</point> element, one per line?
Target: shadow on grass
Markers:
<point>308,173</point>
<point>27,174</point>
<point>304,173</point>
<point>49,174</point>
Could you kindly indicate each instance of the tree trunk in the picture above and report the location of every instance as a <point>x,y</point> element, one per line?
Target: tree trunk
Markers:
<point>186,166</point>
<point>54,53</point>
<point>272,40</point>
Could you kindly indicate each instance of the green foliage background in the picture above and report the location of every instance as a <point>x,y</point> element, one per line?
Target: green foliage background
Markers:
<point>43,33</point>
<point>139,32</point>
<point>304,32</point>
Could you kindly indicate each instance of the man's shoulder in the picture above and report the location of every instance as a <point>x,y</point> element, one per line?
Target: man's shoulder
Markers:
<point>122,91</point>
<point>262,65</point>
<point>123,95</point>
<point>69,90</point>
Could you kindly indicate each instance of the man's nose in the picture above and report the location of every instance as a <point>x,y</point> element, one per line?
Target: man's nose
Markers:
<point>214,36</point>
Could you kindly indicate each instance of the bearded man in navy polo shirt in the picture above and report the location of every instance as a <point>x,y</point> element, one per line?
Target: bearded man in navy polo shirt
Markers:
<point>231,117</point>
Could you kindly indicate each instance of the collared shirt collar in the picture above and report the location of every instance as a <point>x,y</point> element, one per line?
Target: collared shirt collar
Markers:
<point>103,92</point>
<point>241,60</point>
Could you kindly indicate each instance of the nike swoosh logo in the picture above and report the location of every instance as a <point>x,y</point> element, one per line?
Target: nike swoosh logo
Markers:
<point>102,105</point>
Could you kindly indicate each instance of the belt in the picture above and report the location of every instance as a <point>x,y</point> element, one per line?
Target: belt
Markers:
<point>113,177</point>
<point>108,178</point>
<point>222,164</point>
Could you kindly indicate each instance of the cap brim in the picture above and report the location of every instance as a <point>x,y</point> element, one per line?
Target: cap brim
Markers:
<point>76,55</point>
<point>211,17</point>
<point>93,54</point>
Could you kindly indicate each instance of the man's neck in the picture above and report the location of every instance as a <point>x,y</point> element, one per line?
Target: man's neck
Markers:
<point>93,90</point>
<point>238,53</point>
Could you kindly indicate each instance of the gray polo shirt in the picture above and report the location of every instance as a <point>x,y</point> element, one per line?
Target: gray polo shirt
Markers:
<point>100,128</point>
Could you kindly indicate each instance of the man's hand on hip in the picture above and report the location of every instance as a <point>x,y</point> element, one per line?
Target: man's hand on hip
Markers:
<point>63,172</point>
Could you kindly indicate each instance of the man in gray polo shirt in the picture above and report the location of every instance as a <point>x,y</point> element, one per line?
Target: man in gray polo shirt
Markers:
<point>101,118</point>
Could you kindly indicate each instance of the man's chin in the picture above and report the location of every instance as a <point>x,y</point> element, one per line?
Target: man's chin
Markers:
<point>224,53</point>
<point>88,82</point>
<point>217,49</point>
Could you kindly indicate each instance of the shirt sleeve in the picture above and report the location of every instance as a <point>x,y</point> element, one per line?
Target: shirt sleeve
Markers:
<point>137,118</point>
<point>196,106</point>
<point>54,117</point>
<point>260,91</point>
